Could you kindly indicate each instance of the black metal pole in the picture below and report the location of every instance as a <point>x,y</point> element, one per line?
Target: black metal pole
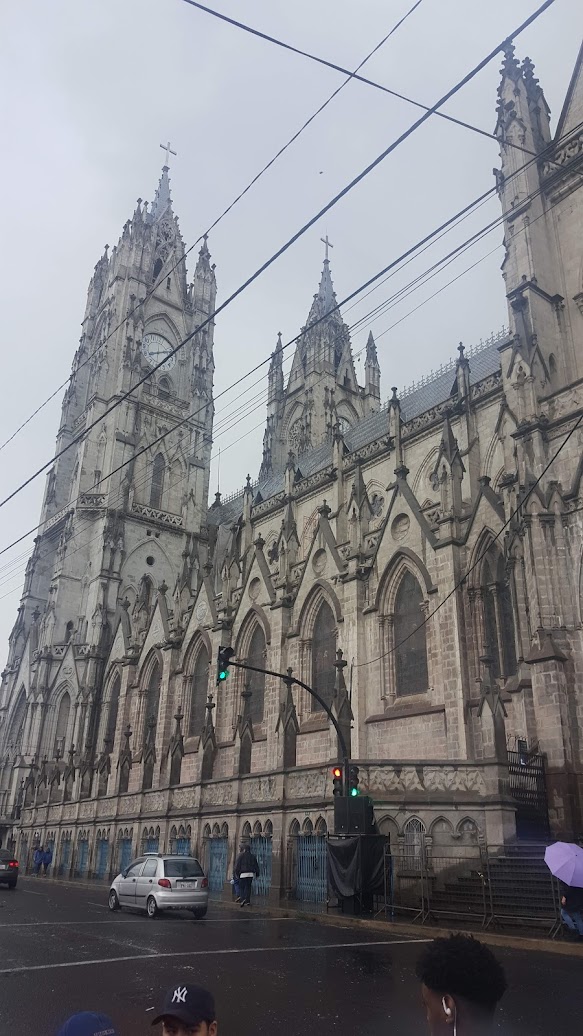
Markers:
<point>288,678</point>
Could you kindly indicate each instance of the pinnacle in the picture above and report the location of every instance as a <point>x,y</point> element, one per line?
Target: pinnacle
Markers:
<point>162,200</point>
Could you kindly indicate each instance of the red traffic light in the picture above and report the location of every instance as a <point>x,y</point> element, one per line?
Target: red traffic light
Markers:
<point>337,771</point>
<point>337,782</point>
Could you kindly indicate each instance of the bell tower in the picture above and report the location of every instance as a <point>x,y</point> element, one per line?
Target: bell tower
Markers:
<point>124,508</point>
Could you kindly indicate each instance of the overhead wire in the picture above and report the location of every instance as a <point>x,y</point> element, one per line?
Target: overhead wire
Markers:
<point>215,222</point>
<point>228,423</point>
<point>280,251</point>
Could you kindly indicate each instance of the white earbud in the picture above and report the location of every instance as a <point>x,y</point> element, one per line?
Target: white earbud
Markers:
<point>446,1009</point>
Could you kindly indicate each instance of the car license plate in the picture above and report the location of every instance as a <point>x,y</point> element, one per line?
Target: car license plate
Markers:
<point>185,884</point>
<point>3,866</point>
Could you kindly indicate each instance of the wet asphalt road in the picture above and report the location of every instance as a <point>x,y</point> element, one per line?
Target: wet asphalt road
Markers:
<point>61,951</point>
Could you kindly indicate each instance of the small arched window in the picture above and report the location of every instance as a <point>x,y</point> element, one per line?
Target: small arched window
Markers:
<point>198,693</point>
<point>157,488</point>
<point>164,388</point>
<point>157,268</point>
<point>410,638</point>
<point>256,657</point>
<point>323,655</point>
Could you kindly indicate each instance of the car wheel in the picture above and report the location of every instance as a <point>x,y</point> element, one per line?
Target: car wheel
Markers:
<point>199,913</point>
<point>11,884</point>
<point>113,901</point>
<point>151,907</point>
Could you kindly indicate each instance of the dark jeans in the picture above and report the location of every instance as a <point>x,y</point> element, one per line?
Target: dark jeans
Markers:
<point>245,889</point>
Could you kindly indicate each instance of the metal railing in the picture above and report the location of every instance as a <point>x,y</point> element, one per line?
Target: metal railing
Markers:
<point>480,886</point>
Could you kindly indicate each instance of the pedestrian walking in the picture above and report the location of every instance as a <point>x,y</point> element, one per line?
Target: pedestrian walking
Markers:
<point>47,859</point>
<point>461,984</point>
<point>88,1023</point>
<point>572,911</point>
<point>37,859</point>
<point>187,1009</point>
<point>246,868</point>
<point>236,889</point>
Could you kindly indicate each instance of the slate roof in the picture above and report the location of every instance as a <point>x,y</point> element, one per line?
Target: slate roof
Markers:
<point>436,390</point>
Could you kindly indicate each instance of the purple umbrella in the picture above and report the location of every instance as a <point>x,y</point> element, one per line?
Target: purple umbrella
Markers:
<point>565,861</point>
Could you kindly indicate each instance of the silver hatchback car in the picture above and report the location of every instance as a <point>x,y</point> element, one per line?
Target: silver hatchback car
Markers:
<point>155,882</point>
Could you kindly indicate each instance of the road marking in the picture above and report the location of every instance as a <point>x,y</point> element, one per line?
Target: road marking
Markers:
<point>142,920</point>
<point>29,892</point>
<point>210,953</point>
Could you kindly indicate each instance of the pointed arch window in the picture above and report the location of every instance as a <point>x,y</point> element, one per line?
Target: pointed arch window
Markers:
<point>499,639</point>
<point>323,655</point>
<point>410,638</point>
<point>62,724</point>
<point>198,693</point>
<point>113,711</point>
<point>157,487</point>
<point>152,704</point>
<point>256,656</point>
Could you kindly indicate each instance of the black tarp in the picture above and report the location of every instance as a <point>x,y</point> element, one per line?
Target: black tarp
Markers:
<point>356,865</point>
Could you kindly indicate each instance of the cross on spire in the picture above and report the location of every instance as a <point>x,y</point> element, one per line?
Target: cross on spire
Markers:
<point>328,244</point>
<point>169,151</point>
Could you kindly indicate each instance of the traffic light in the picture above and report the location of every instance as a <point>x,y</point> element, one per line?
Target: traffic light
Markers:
<point>353,791</point>
<point>337,782</point>
<point>223,658</point>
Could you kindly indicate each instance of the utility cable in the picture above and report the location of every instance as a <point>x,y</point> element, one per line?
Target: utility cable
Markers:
<point>214,224</point>
<point>339,68</point>
<point>284,248</point>
<point>227,424</point>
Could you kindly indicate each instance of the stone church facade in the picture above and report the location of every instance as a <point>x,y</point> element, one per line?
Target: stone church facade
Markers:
<point>418,562</point>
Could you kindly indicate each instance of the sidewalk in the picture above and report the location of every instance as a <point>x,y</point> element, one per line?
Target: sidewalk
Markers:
<point>317,913</point>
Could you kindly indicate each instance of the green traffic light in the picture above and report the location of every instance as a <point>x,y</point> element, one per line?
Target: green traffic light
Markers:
<point>223,674</point>
<point>354,791</point>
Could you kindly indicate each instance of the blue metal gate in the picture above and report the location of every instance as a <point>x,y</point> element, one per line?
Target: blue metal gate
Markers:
<point>102,857</point>
<point>82,856</point>
<point>65,860</point>
<point>50,846</point>
<point>151,844</point>
<point>125,853</point>
<point>311,878</point>
<point>218,851</point>
<point>262,848</point>
<point>183,846</point>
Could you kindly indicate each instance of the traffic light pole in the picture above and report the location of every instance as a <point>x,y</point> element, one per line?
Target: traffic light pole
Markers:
<point>289,679</point>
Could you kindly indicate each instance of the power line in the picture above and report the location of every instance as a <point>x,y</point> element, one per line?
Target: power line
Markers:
<point>437,232</point>
<point>216,222</point>
<point>481,556</point>
<point>339,68</point>
<point>295,237</point>
<point>395,299</point>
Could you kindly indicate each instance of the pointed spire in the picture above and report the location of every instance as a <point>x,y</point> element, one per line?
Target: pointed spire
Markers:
<point>372,359</point>
<point>203,262</point>
<point>162,200</point>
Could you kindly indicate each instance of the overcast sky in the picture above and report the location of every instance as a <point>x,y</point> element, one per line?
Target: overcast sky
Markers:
<point>90,88</point>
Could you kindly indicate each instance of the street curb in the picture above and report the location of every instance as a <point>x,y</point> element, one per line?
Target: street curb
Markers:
<point>513,942</point>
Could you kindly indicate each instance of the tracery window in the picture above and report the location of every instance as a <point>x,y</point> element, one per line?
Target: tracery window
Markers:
<point>323,655</point>
<point>410,638</point>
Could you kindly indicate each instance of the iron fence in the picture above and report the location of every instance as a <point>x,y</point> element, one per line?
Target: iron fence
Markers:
<point>482,886</point>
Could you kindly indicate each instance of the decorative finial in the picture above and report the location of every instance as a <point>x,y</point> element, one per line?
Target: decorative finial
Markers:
<point>327,244</point>
<point>169,151</point>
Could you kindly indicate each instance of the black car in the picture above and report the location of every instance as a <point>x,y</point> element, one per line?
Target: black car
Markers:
<point>8,868</point>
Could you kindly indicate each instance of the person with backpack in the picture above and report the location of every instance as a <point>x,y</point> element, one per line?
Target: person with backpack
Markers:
<point>246,868</point>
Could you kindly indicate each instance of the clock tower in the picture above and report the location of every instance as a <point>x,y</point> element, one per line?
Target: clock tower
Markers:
<point>125,506</point>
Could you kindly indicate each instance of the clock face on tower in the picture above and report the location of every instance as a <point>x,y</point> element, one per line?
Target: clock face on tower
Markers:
<point>155,348</point>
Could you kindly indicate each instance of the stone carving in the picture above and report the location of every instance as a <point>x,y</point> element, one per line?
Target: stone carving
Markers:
<point>306,785</point>
<point>154,802</point>
<point>92,500</point>
<point>58,517</point>
<point>400,526</point>
<point>254,589</point>
<point>565,154</point>
<point>127,805</point>
<point>69,811</point>
<point>145,511</point>
<point>319,562</point>
<point>86,810</point>
<point>220,794</point>
<point>258,789</point>
<point>105,808</point>
<point>183,798</point>
<point>202,610</point>
<point>426,778</point>
<point>448,778</point>
<point>53,813</point>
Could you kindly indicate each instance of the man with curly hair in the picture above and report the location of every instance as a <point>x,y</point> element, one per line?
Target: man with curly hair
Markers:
<point>461,984</point>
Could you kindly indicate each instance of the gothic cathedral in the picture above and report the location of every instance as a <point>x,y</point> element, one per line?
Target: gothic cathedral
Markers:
<point>417,561</point>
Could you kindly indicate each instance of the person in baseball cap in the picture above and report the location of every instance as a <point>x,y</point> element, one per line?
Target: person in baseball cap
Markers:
<point>187,1010</point>
<point>88,1023</point>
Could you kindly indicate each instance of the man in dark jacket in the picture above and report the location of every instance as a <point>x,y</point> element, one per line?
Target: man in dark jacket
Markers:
<point>572,910</point>
<point>246,868</point>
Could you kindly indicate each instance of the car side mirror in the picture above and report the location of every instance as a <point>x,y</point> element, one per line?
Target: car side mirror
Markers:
<point>124,873</point>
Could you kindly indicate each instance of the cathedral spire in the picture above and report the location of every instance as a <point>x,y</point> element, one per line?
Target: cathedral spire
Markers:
<point>162,200</point>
